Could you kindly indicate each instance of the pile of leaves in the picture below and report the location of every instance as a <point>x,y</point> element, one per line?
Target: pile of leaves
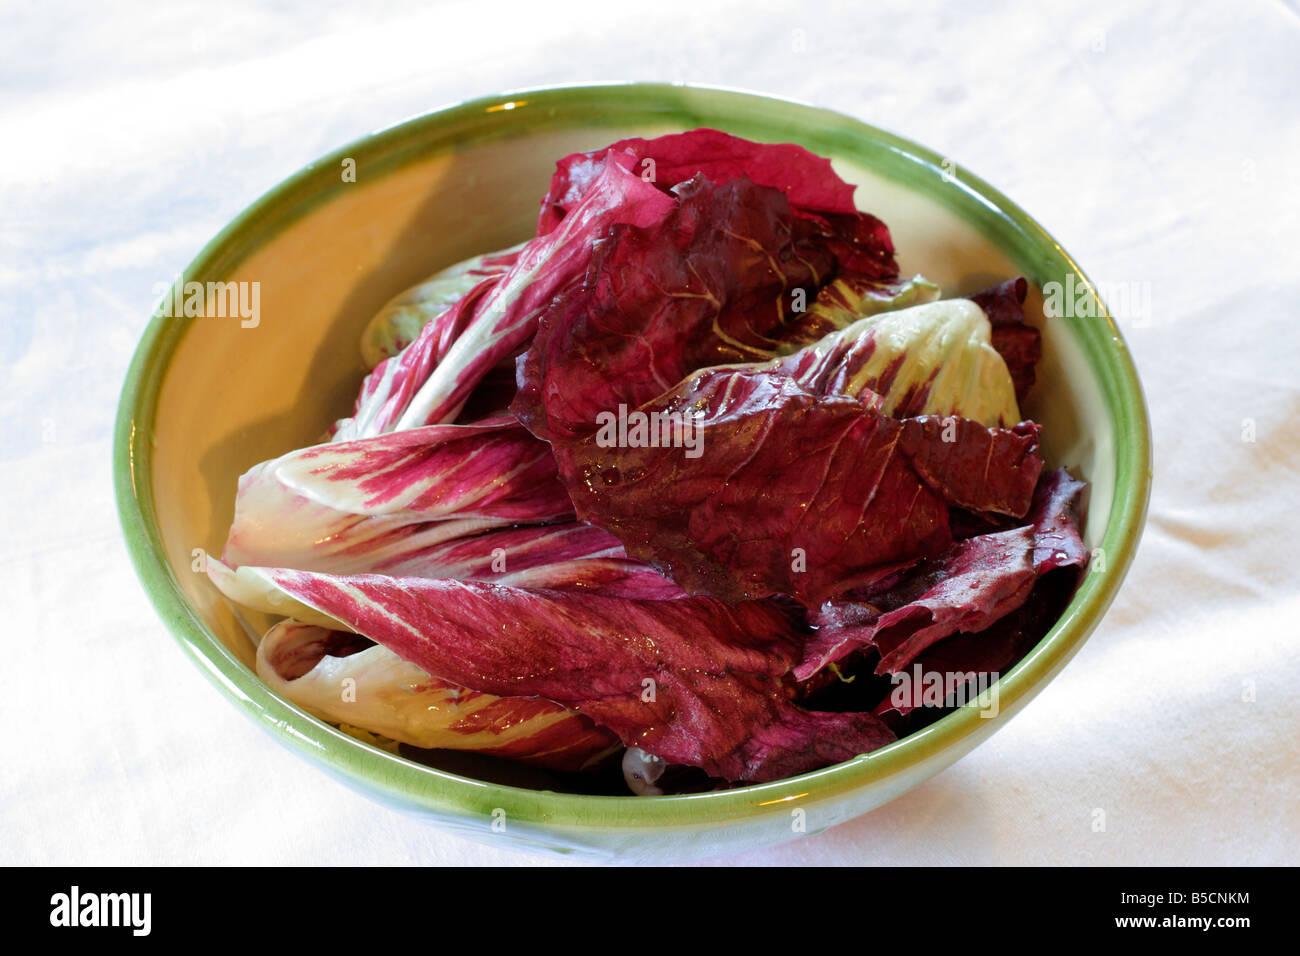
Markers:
<point>690,475</point>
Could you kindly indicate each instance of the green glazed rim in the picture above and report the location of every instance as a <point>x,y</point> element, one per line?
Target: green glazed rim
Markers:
<point>403,783</point>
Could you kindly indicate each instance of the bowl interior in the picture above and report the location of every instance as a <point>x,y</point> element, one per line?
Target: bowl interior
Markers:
<point>210,397</point>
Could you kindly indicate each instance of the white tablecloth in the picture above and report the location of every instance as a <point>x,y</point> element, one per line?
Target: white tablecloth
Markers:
<point>1157,141</point>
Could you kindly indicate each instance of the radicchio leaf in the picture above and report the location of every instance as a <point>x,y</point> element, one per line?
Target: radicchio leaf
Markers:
<point>429,382</point>
<point>991,652</point>
<point>806,179</point>
<point>966,588</point>
<point>399,322</point>
<point>790,493</point>
<point>715,282</point>
<point>973,467</point>
<point>851,298</point>
<point>931,359</point>
<point>1018,342</point>
<point>308,666</point>
<point>375,502</point>
<point>571,556</point>
<point>1055,514</point>
<point>975,583</point>
<point>690,681</point>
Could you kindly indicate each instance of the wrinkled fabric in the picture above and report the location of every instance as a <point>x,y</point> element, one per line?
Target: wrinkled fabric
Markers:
<point>1156,145</point>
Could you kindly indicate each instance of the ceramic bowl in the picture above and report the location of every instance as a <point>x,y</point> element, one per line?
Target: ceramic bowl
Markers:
<point>206,398</point>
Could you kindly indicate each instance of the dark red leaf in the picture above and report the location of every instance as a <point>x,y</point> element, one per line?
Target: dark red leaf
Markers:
<point>690,681</point>
<point>1018,342</point>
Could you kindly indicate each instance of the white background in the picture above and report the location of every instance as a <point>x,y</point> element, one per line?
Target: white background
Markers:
<point>1158,142</point>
